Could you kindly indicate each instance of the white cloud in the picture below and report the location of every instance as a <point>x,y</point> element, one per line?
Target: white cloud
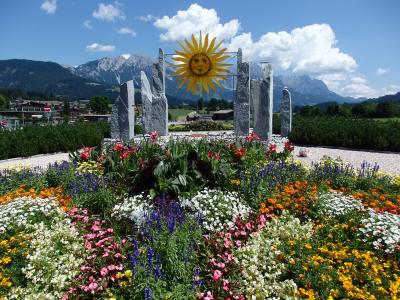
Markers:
<point>357,86</point>
<point>109,12</point>
<point>311,49</point>
<point>126,56</point>
<point>95,47</point>
<point>306,50</point>
<point>193,20</point>
<point>147,18</point>
<point>126,30</point>
<point>87,24</point>
<point>333,81</point>
<point>49,6</point>
<point>382,71</point>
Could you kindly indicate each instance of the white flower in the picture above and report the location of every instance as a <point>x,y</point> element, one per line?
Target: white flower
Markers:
<point>217,209</point>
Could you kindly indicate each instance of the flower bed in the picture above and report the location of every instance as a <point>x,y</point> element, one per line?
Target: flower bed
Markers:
<point>198,220</point>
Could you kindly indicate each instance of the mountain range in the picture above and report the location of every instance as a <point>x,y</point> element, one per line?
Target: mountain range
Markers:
<point>103,76</point>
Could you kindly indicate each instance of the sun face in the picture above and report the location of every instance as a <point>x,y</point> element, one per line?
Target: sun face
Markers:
<point>200,64</point>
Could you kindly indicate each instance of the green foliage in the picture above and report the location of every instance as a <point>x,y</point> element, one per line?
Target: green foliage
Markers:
<point>202,126</point>
<point>99,104</point>
<point>98,202</point>
<point>345,132</point>
<point>3,102</point>
<point>32,140</point>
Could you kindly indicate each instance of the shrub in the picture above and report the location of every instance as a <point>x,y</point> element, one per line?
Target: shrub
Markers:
<point>346,132</point>
<point>32,140</point>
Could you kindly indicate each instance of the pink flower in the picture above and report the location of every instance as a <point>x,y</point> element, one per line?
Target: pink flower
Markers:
<point>217,275</point>
<point>209,296</point>
<point>225,284</point>
<point>104,271</point>
<point>93,286</point>
<point>238,243</point>
<point>95,227</point>
<point>228,235</point>
<point>111,267</point>
<point>90,236</point>
<point>88,245</point>
<point>227,243</point>
<point>118,255</point>
<point>221,265</point>
<point>154,136</point>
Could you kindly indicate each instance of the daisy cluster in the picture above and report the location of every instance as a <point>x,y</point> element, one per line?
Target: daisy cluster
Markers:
<point>382,229</point>
<point>336,204</point>
<point>133,208</point>
<point>217,209</point>
<point>23,210</point>
<point>53,262</point>
<point>261,270</point>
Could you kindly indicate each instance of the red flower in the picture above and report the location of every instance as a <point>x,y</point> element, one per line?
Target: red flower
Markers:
<point>118,147</point>
<point>252,137</point>
<point>289,146</point>
<point>124,155</point>
<point>240,153</point>
<point>217,156</point>
<point>85,154</point>
<point>272,148</point>
<point>154,136</point>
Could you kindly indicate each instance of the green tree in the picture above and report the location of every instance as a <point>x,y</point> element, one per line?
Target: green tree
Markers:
<point>333,109</point>
<point>200,104</point>
<point>386,110</point>
<point>66,107</point>
<point>3,102</point>
<point>99,104</point>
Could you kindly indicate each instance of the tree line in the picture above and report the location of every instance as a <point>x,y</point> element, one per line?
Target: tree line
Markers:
<point>366,109</point>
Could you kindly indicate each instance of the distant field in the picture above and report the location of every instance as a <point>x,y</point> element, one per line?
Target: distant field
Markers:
<point>179,114</point>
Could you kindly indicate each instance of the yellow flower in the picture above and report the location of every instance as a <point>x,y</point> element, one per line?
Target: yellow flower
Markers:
<point>235,181</point>
<point>128,273</point>
<point>308,246</point>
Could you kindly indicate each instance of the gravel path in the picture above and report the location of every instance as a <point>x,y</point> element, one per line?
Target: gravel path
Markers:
<point>387,161</point>
<point>41,160</point>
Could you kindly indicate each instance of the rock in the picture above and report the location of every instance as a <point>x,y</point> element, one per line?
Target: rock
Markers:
<point>159,110</point>
<point>242,101</point>
<point>114,120</point>
<point>286,113</point>
<point>147,100</point>
<point>262,96</point>
<point>126,111</point>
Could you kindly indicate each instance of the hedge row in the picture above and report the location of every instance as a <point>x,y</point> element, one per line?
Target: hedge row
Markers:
<point>346,132</point>
<point>32,140</point>
<point>201,126</point>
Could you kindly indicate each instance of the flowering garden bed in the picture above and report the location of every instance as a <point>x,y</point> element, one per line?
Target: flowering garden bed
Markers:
<point>198,220</point>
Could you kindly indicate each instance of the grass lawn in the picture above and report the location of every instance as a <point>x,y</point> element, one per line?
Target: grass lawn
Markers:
<point>179,113</point>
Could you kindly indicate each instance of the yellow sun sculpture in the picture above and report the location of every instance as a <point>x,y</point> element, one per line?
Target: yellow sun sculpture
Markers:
<point>201,63</point>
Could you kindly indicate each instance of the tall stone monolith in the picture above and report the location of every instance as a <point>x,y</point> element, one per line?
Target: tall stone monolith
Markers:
<point>147,100</point>
<point>286,113</point>
<point>242,100</point>
<point>126,111</point>
<point>159,109</point>
<point>114,121</point>
<point>262,96</point>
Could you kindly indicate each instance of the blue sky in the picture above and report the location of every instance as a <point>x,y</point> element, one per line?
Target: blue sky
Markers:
<point>352,45</point>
